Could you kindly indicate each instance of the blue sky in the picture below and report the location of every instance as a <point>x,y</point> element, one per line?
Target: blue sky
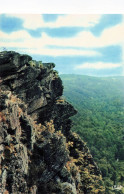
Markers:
<point>90,44</point>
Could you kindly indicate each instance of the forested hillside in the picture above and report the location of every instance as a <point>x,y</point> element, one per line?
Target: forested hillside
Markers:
<point>100,122</point>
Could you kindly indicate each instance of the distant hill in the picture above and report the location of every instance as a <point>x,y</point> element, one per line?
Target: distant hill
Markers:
<point>100,120</point>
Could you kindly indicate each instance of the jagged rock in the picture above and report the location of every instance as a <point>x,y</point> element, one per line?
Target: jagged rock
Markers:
<point>38,151</point>
<point>11,61</point>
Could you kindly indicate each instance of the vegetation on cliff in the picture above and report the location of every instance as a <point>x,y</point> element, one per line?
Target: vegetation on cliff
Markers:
<point>38,151</point>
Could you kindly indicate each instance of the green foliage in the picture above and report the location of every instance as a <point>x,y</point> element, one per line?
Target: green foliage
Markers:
<point>100,121</point>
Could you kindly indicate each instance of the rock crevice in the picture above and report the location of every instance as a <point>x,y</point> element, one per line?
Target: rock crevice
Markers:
<point>38,151</point>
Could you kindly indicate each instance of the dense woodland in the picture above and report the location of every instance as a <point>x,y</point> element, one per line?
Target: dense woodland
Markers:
<point>100,122</point>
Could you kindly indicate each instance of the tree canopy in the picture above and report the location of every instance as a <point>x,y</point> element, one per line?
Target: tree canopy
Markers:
<point>100,121</point>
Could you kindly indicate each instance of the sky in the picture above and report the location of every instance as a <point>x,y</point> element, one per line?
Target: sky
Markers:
<point>88,44</point>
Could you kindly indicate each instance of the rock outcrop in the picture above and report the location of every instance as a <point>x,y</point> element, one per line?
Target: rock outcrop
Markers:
<point>38,152</point>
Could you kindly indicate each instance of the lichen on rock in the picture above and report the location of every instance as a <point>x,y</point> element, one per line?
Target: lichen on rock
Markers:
<point>38,151</point>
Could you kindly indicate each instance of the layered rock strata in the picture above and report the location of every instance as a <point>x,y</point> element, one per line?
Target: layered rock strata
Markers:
<point>38,152</point>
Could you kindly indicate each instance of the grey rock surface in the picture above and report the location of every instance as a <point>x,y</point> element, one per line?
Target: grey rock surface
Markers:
<point>38,152</point>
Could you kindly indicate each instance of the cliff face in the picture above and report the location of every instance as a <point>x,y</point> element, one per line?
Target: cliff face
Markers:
<point>38,151</point>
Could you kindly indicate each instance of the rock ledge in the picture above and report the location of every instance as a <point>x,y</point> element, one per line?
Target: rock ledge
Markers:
<point>38,151</point>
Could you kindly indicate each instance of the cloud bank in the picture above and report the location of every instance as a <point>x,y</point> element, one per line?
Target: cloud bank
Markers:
<point>86,44</point>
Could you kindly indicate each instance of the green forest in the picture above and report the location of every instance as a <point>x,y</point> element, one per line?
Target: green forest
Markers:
<point>100,122</point>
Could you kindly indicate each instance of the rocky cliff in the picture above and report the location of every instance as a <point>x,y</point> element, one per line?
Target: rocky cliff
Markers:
<point>38,152</point>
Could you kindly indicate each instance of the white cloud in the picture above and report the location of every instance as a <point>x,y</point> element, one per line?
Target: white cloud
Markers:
<point>22,40</point>
<point>33,21</point>
<point>77,20</point>
<point>85,39</point>
<point>110,36</point>
<point>63,52</point>
<point>98,65</point>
